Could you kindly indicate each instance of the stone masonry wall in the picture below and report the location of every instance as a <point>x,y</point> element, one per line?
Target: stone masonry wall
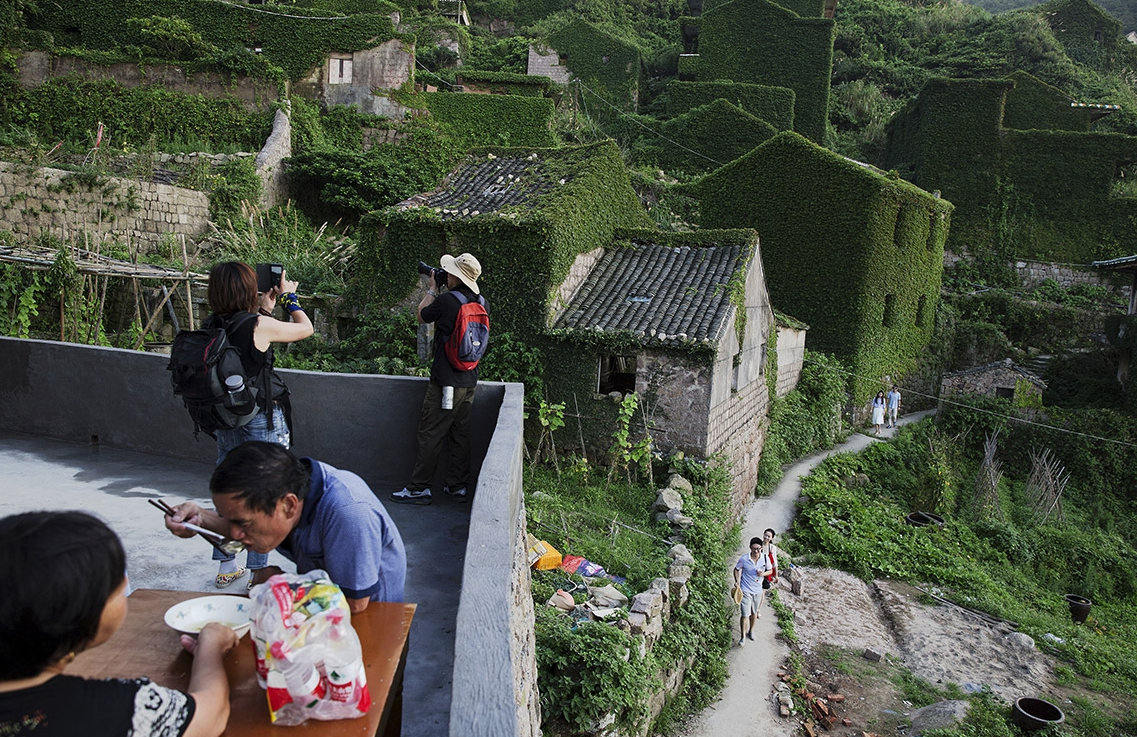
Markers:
<point>546,63</point>
<point>270,161</point>
<point>581,267</point>
<point>524,639</point>
<point>681,386</point>
<point>737,429</point>
<point>791,355</point>
<point>37,67</point>
<point>1033,273</point>
<point>39,201</point>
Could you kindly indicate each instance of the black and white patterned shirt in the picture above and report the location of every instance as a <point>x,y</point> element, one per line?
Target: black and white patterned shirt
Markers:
<point>67,706</point>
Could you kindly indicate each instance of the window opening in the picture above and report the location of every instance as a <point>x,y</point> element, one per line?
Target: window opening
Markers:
<point>921,307</point>
<point>339,70</point>
<point>1004,392</point>
<point>1124,184</point>
<point>890,310</point>
<point>617,374</point>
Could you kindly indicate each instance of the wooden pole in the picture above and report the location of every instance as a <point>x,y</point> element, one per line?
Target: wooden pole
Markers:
<point>153,317</point>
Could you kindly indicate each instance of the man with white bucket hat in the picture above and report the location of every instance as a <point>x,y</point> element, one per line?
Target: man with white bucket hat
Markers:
<point>450,395</point>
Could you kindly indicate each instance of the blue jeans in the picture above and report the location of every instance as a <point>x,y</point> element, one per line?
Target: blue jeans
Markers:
<point>257,429</point>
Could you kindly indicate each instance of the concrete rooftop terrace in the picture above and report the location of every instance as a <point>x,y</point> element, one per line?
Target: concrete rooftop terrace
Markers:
<point>42,473</point>
<point>99,430</point>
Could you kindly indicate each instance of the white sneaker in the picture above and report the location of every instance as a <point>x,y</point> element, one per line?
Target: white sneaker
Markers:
<point>406,496</point>
<point>741,641</point>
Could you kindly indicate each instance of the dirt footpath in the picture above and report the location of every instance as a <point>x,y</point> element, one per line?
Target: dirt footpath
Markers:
<point>837,618</point>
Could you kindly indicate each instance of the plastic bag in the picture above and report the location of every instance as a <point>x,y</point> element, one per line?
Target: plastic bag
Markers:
<point>308,656</point>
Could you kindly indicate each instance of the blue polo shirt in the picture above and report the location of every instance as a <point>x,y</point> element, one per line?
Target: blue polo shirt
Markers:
<point>345,530</point>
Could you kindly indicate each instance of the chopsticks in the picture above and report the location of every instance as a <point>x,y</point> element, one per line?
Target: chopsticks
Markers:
<point>169,512</point>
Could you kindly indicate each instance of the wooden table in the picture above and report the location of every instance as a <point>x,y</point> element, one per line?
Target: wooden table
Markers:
<point>145,646</point>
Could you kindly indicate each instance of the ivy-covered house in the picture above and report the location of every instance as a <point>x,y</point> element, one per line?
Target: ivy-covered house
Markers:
<point>999,379</point>
<point>856,254</point>
<point>609,68</point>
<point>1017,160</point>
<point>526,213</point>
<point>708,137</point>
<point>684,321</point>
<point>766,43</point>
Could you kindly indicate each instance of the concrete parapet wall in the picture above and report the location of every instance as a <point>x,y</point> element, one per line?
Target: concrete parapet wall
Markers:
<point>42,201</point>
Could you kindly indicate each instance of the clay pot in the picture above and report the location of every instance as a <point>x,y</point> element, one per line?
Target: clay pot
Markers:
<point>1079,607</point>
<point>1032,715</point>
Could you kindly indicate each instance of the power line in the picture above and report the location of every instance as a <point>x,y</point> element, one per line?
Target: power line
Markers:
<point>1010,418</point>
<point>250,8</point>
<point>647,128</point>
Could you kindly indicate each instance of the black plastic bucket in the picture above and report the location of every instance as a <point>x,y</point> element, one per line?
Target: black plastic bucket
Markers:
<point>1079,607</point>
<point>1032,715</point>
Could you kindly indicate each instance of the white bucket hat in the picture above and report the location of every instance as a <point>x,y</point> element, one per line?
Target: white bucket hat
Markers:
<point>466,268</point>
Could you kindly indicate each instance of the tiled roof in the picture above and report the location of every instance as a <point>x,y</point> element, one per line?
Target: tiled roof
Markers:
<point>1006,363</point>
<point>1123,263</point>
<point>487,184</point>
<point>666,295</point>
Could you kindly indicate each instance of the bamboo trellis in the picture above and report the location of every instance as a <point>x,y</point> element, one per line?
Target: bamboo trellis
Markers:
<point>94,264</point>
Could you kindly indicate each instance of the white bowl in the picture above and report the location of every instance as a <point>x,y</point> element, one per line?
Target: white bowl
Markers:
<point>191,615</point>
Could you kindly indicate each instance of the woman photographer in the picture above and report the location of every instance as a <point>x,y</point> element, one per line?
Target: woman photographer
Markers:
<point>246,314</point>
<point>64,576</point>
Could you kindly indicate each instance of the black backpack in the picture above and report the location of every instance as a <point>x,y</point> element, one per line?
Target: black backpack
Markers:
<point>207,373</point>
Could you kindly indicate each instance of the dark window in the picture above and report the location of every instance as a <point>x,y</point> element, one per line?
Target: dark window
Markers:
<point>890,310</point>
<point>921,308</point>
<point>617,374</point>
<point>1097,34</point>
<point>1003,392</point>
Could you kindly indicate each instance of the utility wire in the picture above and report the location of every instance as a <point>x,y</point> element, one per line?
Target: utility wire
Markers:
<point>250,8</point>
<point>1011,418</point>
<point>656,133</point>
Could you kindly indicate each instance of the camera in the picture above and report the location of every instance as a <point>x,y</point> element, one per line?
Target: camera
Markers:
<point>438,275</point>
<point>269,276</point>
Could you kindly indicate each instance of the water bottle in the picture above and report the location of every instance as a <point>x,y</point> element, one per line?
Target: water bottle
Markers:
<point>235,389</point>
<point>447,397</point>
<point>347,680</point>
<point>301,680</point>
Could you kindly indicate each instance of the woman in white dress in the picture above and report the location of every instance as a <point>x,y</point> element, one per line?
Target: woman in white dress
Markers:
<point>878,405</point>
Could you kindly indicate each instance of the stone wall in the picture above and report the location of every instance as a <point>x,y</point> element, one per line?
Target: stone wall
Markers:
<point>547,63</point>
<point>524,639</point>
<point>37,67</point>
<point>581,267</point>
<point>1033,273</point>
<point>737,429</point>
<point>62,203</point>
<point>387,67</point>
<point>270,161</point>
<point>681,384</point>
<point>791,356</point>
<point>1001,376</point>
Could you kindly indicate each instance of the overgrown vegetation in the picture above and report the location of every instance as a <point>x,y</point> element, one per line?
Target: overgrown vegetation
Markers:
<point>1005,560</point>
<point>588,670</point>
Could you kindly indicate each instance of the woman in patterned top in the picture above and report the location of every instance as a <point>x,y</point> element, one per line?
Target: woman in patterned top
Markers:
<point>64,583</point>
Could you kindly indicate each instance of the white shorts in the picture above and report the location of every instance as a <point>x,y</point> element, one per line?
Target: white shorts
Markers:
<point>749,605</point>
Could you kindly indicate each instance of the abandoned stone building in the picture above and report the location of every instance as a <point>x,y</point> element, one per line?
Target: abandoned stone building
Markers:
<point>999,379</point>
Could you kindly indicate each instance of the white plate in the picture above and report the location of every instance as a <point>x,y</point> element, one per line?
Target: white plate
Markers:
<point>191,615</point>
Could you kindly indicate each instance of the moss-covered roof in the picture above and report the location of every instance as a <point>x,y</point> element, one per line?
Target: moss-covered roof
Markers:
<point>488,184</point>
<point>665,295</point>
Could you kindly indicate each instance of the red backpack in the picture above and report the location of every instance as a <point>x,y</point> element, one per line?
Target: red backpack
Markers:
<point>466,345</point>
